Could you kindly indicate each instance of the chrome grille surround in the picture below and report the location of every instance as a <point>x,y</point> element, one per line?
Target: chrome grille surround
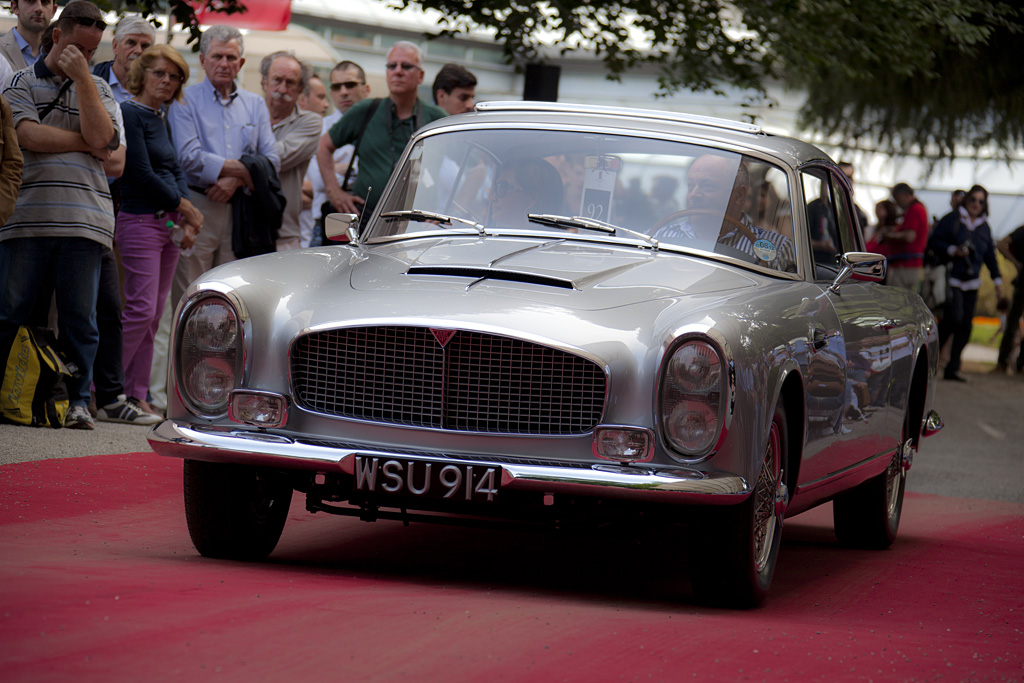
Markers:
<point>476,382</point>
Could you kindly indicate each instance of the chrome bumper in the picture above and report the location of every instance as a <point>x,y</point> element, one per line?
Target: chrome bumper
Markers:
<point>668,485</point>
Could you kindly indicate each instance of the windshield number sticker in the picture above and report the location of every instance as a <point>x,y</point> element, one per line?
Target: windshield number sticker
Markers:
<point>765,250</point>
<point>599,176</point>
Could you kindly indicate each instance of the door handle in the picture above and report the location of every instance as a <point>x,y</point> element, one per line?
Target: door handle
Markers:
<point>819,337</point>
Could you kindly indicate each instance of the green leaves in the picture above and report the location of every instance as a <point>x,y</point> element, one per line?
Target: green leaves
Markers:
<point>933,78</point>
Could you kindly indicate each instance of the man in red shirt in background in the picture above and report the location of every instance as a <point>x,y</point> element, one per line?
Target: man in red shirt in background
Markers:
<point>906,245</point>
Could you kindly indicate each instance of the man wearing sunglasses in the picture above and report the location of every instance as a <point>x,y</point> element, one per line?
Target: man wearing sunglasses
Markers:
<point>348,87</point>
<point>65,118</point>
<point>379,130</point>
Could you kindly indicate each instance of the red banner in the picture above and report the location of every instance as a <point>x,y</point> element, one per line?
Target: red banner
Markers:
<point>264,15</point>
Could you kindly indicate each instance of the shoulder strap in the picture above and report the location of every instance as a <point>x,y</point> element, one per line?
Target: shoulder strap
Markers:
<point>49,107</point>
<point>371,110</point>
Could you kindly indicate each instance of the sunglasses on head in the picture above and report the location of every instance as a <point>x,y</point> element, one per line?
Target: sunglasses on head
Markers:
<point>348,85</point>
<point>89,22</point>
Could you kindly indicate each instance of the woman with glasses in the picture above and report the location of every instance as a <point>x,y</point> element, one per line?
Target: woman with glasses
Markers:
<point>964,239</point>
<point>157,220</point>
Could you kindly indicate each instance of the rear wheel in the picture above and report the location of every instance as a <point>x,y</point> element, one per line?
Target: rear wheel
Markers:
<point>737,547</point>
<point>869,515</point>
<point>234,512</point>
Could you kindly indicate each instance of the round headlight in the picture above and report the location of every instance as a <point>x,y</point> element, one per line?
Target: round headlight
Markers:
<point>693,425</point>
<point>695,367</point>
<point>212,326</point>
<point>208,383</point>
<point>691,399</point>
<point>208,356</point>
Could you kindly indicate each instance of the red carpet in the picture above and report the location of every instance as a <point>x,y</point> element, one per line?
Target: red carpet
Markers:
<point>99,582</point>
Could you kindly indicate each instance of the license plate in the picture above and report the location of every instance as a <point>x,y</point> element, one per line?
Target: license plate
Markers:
<point>419,479</point>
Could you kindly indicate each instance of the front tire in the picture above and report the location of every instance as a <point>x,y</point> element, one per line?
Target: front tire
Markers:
<point>234,512</point>
<point>734,559</point>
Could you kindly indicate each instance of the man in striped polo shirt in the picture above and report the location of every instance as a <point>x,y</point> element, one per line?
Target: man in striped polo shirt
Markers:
<point>64,219</point>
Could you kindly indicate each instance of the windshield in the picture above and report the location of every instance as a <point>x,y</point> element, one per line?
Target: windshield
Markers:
<point>680,194</point>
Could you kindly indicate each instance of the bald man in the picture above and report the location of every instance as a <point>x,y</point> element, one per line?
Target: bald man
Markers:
<point>717,188</point>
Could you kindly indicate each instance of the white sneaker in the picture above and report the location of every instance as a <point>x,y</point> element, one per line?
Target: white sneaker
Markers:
<point>78,417</point>
<point>123,410</point>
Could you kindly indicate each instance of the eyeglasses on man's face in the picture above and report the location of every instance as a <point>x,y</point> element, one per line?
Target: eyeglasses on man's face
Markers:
<point>160,75</point>
<point>347,85</point>
<point>406,66</point>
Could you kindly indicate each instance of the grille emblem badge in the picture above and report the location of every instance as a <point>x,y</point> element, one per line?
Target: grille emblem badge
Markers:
<point>442,336</point>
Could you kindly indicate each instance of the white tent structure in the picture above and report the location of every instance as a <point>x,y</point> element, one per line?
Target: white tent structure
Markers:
<point>327,31</point>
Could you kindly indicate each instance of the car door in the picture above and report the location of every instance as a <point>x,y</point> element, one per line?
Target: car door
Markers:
<point>849,366</point>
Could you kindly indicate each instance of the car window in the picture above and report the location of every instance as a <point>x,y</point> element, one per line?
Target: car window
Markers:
<point>822,223</point>
<point>845,220</point>
<point>681,194</point>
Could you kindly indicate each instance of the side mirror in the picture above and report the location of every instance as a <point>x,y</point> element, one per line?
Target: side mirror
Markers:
<point>859,264</point>
<point>341,227</point>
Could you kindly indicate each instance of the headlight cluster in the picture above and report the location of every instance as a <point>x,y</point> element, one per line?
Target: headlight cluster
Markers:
<point>209,355</point>
<point>693,389</point>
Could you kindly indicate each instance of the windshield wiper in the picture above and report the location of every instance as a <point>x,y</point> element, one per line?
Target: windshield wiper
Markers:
<point>440,218</point>
<point>567,222</point>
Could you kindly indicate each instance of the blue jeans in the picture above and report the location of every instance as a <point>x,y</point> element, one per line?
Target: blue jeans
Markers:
<point>72,264</point>
<point>957,322</point>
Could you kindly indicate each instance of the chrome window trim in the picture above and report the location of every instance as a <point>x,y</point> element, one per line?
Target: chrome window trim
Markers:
<point>624,112</point>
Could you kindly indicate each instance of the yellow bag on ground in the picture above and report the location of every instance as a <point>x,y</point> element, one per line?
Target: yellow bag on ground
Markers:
<point>34,391</point>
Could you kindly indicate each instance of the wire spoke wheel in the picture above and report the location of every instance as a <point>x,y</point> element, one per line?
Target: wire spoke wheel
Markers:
<point>736,548</point>
<point>766,522</point>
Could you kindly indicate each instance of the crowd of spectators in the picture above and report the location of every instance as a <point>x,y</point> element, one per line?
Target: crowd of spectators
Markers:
<point>119,182</point>
<point>944,261</point>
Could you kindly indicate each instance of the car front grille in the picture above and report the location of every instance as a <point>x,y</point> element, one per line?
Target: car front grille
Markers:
<point>475,382</point>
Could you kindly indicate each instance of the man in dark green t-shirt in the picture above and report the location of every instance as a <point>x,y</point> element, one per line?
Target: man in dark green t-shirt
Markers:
<point>384,136</point>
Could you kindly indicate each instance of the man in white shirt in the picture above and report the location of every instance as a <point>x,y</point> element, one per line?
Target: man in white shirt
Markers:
<point>348,86</point>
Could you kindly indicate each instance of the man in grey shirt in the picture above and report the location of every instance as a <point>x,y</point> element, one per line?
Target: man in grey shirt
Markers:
<point>297,132</point>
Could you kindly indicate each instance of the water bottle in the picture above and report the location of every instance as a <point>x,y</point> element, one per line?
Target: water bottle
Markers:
<point>178,234</point>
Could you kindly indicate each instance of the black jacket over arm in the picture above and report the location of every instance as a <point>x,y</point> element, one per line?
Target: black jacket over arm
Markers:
<point>257,215</point>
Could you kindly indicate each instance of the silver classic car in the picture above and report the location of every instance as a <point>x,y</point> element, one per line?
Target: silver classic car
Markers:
<point>558,314</point>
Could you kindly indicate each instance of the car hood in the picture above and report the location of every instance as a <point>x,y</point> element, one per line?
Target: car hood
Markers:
<point>578,275</point>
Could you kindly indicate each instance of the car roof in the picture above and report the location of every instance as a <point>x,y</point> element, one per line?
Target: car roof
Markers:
<point>628,120</point>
